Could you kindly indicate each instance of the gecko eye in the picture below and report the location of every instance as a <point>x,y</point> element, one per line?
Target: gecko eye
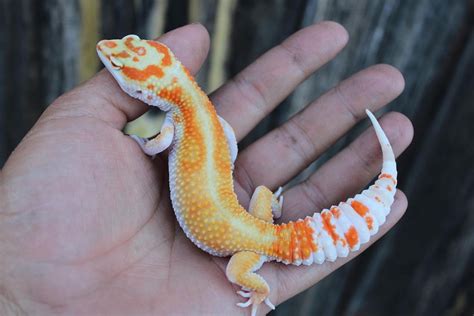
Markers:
<point>116,64</point>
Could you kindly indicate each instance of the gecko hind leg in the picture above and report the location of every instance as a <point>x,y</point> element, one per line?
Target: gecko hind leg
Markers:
<point>265,204</point>
<point>241,271</point>
<point>241,268</point>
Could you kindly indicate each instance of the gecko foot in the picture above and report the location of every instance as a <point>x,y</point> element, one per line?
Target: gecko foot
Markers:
<point>277,203</point>
<point>254,299</point>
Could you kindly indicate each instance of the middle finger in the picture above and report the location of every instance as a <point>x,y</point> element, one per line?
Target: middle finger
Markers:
<point>284,152</point>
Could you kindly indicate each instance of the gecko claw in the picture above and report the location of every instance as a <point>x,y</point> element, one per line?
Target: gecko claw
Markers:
<point>278,192</point>
<point>269,304</point>
<point>244,294</point>
<point>245,304</point>
<point>277,203</point>
<point>254,300</point>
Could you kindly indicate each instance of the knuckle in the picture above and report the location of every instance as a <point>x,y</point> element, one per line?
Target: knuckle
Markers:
<point>299,140</point>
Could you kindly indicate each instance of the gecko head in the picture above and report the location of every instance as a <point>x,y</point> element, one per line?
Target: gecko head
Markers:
<point>138,66</point>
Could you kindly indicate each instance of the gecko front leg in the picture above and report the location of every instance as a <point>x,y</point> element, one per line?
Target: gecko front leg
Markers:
<point>161,141</point>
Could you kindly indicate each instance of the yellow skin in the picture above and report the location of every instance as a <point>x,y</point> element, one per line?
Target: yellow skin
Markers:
<point>200,169</point>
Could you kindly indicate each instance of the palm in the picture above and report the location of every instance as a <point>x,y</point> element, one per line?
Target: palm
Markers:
<point>94,230</point>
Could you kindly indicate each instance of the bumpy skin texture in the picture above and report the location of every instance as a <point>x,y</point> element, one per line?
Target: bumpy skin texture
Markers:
<point>200,169</point>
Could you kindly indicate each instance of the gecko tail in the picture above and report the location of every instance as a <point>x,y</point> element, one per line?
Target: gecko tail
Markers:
<point>345,227</point>
<point>337,231</point>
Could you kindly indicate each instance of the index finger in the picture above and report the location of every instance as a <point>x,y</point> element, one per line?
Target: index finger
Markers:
<point>260,87</point>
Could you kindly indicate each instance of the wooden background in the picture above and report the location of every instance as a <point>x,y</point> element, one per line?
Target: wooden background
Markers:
<point>425,266</point>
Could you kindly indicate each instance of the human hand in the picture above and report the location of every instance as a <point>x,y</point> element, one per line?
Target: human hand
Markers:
<point>86,225</point>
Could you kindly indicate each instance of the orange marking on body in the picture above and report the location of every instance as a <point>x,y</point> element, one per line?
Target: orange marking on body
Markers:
<point>360,208</point>
<point>306,253</point>
<point>328,227</point>
<point>293,241</point>
<point>150,86</point>
<point>193,161</point>
<point>370,222</point>
<point>352,236</point>
<point>122,54</point>
<point>389,188</point>
<point>166,61</point>
<point>336,212</point>
<point>188,73</point>
<point>142,75</point>
<point>176,96</point>
<point>388,176</point>
<point>309,233</point>
<point>135,59</point>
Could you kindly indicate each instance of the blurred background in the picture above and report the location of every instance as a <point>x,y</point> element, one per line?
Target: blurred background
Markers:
<point>425,265</point>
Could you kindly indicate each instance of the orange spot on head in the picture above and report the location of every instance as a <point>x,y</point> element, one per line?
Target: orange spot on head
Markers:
<point>140,50</point>
<point>360,208</point>
<point>142,75</point>
<point>122,54</point>
<point>110,44</point>
<point>162,49</point>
